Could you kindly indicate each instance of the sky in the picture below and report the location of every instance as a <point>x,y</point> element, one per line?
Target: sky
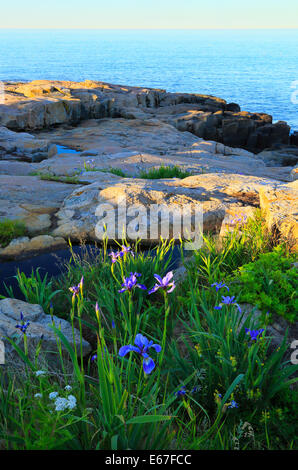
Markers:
<point>149,14</point>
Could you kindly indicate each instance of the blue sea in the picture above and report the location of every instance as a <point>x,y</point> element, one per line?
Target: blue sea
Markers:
<point>254,68</point>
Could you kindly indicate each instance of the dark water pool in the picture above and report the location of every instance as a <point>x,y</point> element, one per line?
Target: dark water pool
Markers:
<point>53,264</point>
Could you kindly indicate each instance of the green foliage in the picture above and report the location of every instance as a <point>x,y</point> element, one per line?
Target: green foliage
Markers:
<point>59,179</point>
<point>103,285</point>
<point>114,171</point>
<point>212,387</point>
<point>10,229</point>
<point>164,172</point>
<point>270,283</point>
<point>35,289</point>
<point>217,343</point>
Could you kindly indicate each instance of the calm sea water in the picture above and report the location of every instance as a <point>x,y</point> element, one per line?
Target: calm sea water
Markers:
<point>253,68</point>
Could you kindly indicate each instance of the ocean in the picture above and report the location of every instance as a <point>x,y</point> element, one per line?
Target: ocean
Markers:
<point>257,69</point>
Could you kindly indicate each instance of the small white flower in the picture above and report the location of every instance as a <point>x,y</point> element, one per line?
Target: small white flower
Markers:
<point>68,388</point>
<point>72,402</point>
<point>61,404</point>
<point>53,395</point>
<point>40,372</point>
<point>37,395</point>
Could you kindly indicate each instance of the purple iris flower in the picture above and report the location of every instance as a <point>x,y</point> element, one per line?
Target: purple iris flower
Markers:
<point>124,250</point>
<point>239,219</point>
<point>227,300</point>
<point>180,392</point>
<point>113,324</point>
<point>219,285</point>
<point>163,283</point>
<point>23,325</point>
<point>114,256</point>
<point>131,282</point>
<point>94,357</point>
<point>254,334</point>
<point>233,404</point>
<point>76,289</point>
<point>142,345</point>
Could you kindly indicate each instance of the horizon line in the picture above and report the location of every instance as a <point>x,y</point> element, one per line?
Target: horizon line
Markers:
<point>151,29</point>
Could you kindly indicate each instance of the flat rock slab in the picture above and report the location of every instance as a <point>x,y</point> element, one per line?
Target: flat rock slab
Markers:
<point>10,310</point>
<point>110,136</point>
<point>138,145</point>
<point>41,104</point>
<point>17,168</point>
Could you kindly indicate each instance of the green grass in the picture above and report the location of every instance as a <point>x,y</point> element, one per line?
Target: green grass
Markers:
<point>59,179</point>
<point>10,229</point>
<point>164,172</point>
<point>114,171</point>
<point>154,173</point>
<point>205,350</point>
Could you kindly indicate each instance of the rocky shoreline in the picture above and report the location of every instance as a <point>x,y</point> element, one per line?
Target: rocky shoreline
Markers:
<point>237,161</point>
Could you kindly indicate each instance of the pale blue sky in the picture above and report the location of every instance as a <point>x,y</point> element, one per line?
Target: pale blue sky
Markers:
<point>152,14</point>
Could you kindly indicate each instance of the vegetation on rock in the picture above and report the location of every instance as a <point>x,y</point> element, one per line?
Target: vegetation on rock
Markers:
<point>174,365</point>
<point>10,229</point>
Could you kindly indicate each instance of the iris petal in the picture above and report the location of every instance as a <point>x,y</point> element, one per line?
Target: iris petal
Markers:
<point>157,347</point>
<point>168,277</point>
<point>125,349</point>
<point>148,365</point>
<point>141,341</point>
<point>172,288</point>
<point>141,286</point>
<point>154,289</point>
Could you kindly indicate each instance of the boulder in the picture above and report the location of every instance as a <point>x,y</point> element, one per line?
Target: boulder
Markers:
<point>20,145</point>
<point>38,331</point>
<point>24,246</point>
<point>268,135</point>
<point>280,207</point>
<point>285,156</point>
<point>275,331</point>
<point>31,200</point>
<point>212,194</point>
<point>294,138</point>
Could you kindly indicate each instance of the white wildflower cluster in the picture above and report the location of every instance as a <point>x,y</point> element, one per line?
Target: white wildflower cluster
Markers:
<point>62,403</point>
<point>37,395</point>
<point>68,388</point>
<point>38,373</point>
<point>72,402</point>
